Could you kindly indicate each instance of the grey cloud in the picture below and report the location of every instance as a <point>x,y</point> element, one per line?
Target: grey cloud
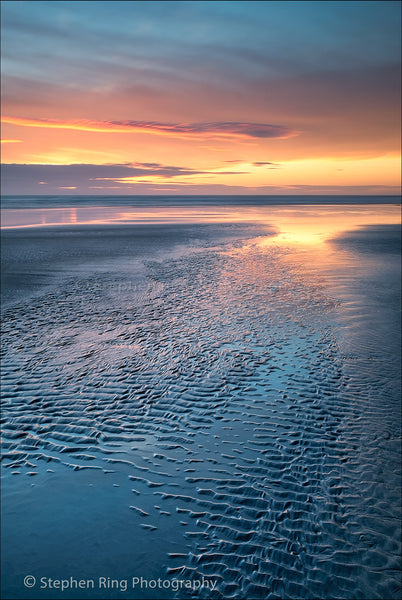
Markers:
<point>43,179</point>
<point>254,130</point>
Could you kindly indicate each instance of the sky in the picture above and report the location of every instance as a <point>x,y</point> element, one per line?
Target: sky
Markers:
<point>189,97</point>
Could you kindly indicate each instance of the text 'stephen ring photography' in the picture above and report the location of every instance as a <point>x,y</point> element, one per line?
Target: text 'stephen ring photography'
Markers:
<point>201,300</point>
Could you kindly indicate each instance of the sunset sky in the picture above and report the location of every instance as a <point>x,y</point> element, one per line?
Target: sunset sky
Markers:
<point>196,97</point>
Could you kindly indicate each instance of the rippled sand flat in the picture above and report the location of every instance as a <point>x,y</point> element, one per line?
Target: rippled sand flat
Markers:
<point>193,402</point>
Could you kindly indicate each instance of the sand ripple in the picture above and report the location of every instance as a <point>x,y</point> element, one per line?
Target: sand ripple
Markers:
<point>230,406</point>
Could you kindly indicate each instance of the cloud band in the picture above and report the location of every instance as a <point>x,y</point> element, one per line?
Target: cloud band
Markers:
<point>213,129</point>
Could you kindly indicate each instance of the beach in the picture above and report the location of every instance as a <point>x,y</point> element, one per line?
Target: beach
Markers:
<point>206,395</point>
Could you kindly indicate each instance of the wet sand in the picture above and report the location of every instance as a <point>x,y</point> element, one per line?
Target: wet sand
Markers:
<point>201,401</point>
<point>34,257</point>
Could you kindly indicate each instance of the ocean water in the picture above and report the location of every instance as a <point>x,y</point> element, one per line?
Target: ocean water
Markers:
<point>66,200</point>
<point>201,401</point>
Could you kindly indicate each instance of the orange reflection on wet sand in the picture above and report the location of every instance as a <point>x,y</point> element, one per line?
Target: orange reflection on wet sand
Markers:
<point>316,224</point>
<point>302,224</point>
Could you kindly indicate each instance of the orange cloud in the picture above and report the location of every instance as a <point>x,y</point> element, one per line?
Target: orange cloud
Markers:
<point>181,130</point>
